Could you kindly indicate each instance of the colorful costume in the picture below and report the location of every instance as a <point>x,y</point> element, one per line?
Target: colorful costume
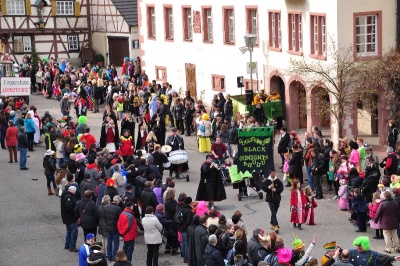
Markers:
<point>309,210</point>
<point>126,144</point>
<point>343,201</point>
<point>297,202</point>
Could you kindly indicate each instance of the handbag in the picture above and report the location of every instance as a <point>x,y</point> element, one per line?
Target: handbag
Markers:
<point>79,221</point>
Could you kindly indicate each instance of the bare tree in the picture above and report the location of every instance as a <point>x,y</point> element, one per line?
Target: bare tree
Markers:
<point>342,77</point>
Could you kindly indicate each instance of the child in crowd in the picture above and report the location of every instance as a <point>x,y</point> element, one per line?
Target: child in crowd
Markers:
<point>297,203</point>
<point>373,208</point>
<point>286,169</point>
<point>311,204</point>
<point>343,194</point>
<point>359,205</point>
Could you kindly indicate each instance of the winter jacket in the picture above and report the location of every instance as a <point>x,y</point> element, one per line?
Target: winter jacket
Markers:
<point>273,196</point>
<point>260,117</point>
<point>307,156</point>
<point>213,256</point>
<point>102,220</point>
<point>170,208</point>
<point>85,185</point>
<point>139,185</point>
<point>177,111</point>
<point>94,173</point>
<point>49,165</point>
<point>22,140</point>
<point>90,219</point>
<point>370,182</point>
<point>148,199</point>
<point>392,136</point>
<point>354,180</point>
<point>12,136</point>
<point>228,108</point>
<point>318,163</point>
<point>373,208</point>
<point>295,167</point>
<point>120,181</point>
<point>201,240</point>
<point>233,135</point>
<point>29,125</point>
<point>59,145</point>
<point>111,215</point>
<point>252,250</point>
<point>111,191</point>
<point>225,244</point>
<point>359,204</point>
<point>152,229</point>
<point>127,233</point>
<point>89,138</point>
<point>68,204</point>
<point>188,217</point>
<point>388,214</point>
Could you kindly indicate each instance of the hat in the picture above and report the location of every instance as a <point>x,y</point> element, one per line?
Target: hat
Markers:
<point>12,113</point>
<point>284,255</point>
<point>160,208</point>
<point>174,129</point>
<point>65,95</point>
<point>49,152</point>
<point>205,117</point>
<point>297,243</point>
<point>264,239</point>
<point>208,156</point>
<point>367,147</point>
<point>80,156</point>
<point>330,246</point>
<point>90,236</point>
<point>78,148</point>
<point>128,204</point>
<point>293,134</point>
<point>166,148</point>
<point>344,157</point>
<point>110,182</point>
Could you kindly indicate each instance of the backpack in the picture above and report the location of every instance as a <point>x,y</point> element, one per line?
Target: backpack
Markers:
<point>130,221</point>
<point>202,128</point>
<point>179,217</point>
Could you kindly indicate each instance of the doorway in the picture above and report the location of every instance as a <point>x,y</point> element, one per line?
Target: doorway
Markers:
<point>118,49</point>
<point>191,84</point>
<point>302,106</point>
<point>277,85</point>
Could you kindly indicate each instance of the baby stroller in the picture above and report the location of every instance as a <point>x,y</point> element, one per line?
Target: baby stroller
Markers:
<point>246,184</point>
<point>170,240</point>
<point>223,169</point>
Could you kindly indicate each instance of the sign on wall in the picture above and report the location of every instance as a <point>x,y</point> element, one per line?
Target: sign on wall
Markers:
<point>15,86</point>
<point>253,66</point>
<point>255,150</point>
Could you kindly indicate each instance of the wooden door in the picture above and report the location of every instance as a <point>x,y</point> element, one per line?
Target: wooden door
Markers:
<point>191,84</point>
<point>118,48</point>
<point>302,107</point>
<point>326,114</point>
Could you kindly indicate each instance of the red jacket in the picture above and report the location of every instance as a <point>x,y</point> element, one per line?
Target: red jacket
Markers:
<point>11,136</point>
<point>126,145</point>
<point>123,224</point>
<point>90,139</point>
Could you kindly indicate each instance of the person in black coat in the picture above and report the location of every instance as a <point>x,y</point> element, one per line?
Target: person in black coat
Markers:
<point>371,180</point>
<point>354,179</point>
<point>188,118</point>
<point>69,218</point>
<point>210,186</point>
<point>87,209</point>
<point>111,216</point>
<point>283,144</point>
<point>392,134</point>
<point>139,186</point>
<point>111,189</point>
<point>177,112</point>
<point>158,126</point>
<point>259,115</point>
<point>103,133</point>
<point>128,123</point>
<point>273,188</point>
<point>213,255</point>
<point>191,252</point>
<point>148,197</point>
<point>295,164</point>
<point>317,170</point>
<point>49,165</point>
<point>201,240</point>
<point>327,149</point>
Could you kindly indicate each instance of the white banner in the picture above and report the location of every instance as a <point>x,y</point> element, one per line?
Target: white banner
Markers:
<point>15,86</point>
<point>253,66</point>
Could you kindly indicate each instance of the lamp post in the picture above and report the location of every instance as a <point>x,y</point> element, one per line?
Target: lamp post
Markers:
<point>250,40</point>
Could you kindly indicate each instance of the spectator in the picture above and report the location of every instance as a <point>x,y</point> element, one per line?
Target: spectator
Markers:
<point>213,255</point>
<point>128,229</point>
<point>69,218</point>
<point>152,236</point>
<point>111,215</point>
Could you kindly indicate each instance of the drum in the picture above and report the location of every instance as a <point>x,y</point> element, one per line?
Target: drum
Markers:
<point>178,157</point>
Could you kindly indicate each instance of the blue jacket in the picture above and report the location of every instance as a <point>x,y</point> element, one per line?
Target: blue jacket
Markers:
<point>84,252</point>
<point>62,67</point>
<point>29,126</point>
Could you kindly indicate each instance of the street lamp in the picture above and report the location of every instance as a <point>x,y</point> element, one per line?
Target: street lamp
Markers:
<point>250,40</point>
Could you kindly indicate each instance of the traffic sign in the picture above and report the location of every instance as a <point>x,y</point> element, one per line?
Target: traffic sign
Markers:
<point>253,66</point>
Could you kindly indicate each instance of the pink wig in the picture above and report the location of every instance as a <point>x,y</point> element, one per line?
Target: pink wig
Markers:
<point>202,208</point>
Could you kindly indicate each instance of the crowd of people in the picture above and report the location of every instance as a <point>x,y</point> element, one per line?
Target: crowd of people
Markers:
<point>112,185</point>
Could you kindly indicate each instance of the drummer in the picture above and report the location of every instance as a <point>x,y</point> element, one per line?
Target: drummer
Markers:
<point>159,158</point>
<point>177,143</point>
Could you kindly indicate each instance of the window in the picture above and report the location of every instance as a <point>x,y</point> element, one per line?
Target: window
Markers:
<point>252,22</point>
<point>187,23</point>
<point>367,35</point>
<point>22,44</point>
<point>15,7</point>
<point>218,83</point>
<point>151,23</point>
<point>161,73</point>
<point>275,33</point>
<point>295,33</point>
<point>169,23</point>
<point>65,8</point>
<point>208,25</point>
<point>73,43</point>
<point>318,36</point>
<point>229,25</point>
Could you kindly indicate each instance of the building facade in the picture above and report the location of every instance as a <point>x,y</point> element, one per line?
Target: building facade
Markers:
<point>195,45</point>
<point>70,29</point>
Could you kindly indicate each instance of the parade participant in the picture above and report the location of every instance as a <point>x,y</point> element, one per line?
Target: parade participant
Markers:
<point>273,188</point>
<point>219,149</point>
<point>159,158</point>
<point>363,255</point>
<point>188,118</point>
<point>128,123</point>
<point>311,204</point>
<point>177,143</point>
<point>126,144</point>
<point>297,203</point>
<point>143,130</point>
<point>69,218</point>
<point>210,186</point>
<point>158,126</point>
<point>330,249</point>
<point>204,132</point>
<point>299,255</point>
<point>109,135</point>
<point>88,138</point>
<point>85,250</point>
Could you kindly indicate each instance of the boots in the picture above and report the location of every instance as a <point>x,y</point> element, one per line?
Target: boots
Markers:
<point>49,192</point>
<point>276,229</point>
<point>329,187</point>
<point>299,227</point>
<point>56,191</point>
